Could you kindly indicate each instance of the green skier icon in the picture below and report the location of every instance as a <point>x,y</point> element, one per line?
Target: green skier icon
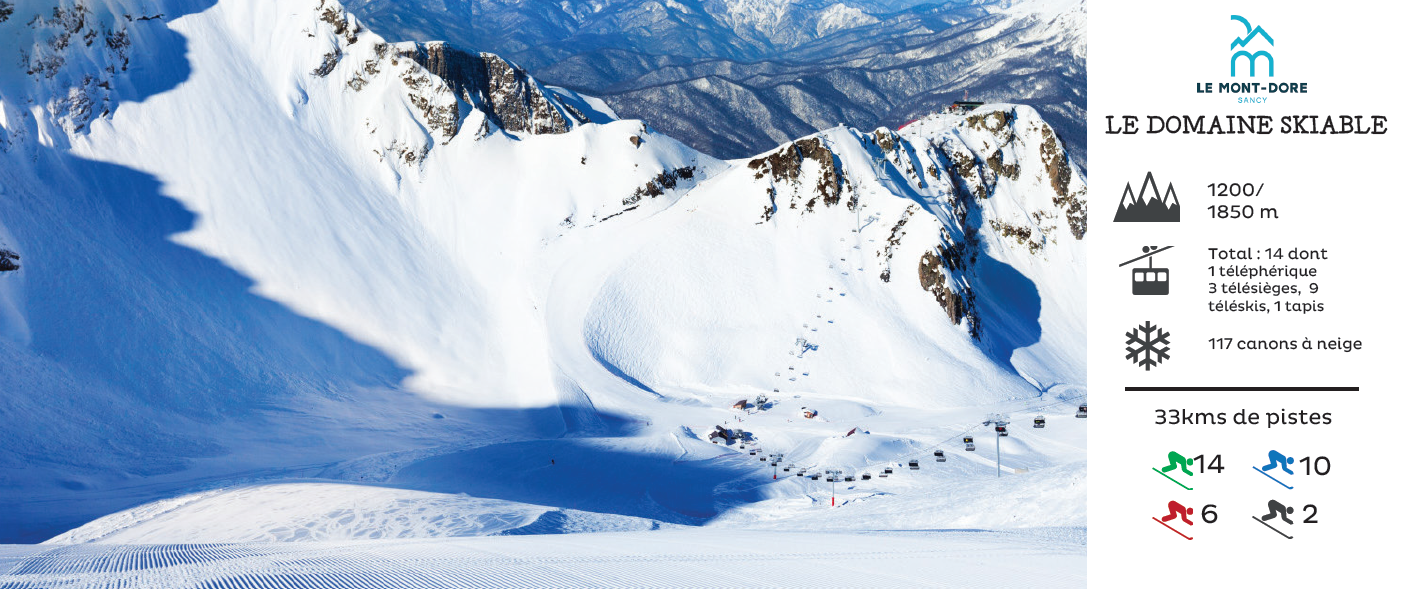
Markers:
<point>1177,461</point>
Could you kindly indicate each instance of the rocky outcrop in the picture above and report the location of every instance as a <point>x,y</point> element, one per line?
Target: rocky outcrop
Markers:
<point>74,60</point>
<point>510,98</point>
<point>787,165</point>
<point>9,260</point>
<point>960,304</point>
<point>664,181</point>
<point>1058,170</point>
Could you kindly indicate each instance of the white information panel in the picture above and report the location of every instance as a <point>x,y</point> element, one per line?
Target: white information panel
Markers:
<point>1250,200</point>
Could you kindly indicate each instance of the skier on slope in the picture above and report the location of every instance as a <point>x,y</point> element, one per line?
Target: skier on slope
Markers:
<point>1276,509</point>
<point>1180,462</point>
<point>1276,459</point>
<point>1179,511</point>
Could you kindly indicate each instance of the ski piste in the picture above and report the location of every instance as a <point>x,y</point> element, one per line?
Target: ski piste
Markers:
<point>1255,518</point>
<point>1171,478</point>
<point>1170,528</point>
<point>1260,471</point>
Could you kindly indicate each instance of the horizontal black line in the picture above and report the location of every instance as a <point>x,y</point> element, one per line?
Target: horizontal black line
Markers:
<point>1245,389</point>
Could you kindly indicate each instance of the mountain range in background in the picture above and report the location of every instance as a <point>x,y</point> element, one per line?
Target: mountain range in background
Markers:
<point>732,78</point>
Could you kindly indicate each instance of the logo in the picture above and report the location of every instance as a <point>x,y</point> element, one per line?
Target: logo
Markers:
<point>1251,65</point>
<point>1250,33</point>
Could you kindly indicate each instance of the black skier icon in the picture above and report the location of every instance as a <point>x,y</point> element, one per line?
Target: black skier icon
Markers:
<point>1176,511</point>
<point>1276,460</point>
<point>1275,510</point>
<point>1149,280</point>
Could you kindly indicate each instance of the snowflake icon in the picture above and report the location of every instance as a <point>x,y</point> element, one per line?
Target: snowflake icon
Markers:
<point>1148,352</point>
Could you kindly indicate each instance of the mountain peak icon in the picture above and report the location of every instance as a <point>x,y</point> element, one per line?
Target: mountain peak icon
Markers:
<point>1149,206</point>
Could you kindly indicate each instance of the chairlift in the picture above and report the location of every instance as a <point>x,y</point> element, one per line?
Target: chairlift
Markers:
<point>1081,411</point>
<point>939,456</point>
<point>1039,422</point>
<point>913,465</point>
<point>865,476</point>
<point>968,442</point>
<point>887,471</point>
<point>850,478</point>
<point>1001,430</point>
<point>761,458</point>
<point>800,473</point>
<point>753,452</point>
<point>815,477</point>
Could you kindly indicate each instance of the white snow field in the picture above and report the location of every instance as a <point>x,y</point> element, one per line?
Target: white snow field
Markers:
<point>692,558</point>
<point>299,307</point>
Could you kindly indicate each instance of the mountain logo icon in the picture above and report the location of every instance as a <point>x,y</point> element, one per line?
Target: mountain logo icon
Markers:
<point>1149,206</point>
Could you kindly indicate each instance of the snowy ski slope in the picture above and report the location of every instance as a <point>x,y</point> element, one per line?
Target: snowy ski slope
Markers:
<point>612,559</point>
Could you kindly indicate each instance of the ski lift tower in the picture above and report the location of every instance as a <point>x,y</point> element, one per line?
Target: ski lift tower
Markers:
<point>999,423</point>
<point>832,476</point>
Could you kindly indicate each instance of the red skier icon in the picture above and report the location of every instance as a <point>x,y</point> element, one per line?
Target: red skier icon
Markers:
<point>1177,511</point>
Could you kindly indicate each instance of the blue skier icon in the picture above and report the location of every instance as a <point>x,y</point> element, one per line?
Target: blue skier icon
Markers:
<point>1276,460</point>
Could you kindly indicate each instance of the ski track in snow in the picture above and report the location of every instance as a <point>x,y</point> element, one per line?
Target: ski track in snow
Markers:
<point>656,559</point>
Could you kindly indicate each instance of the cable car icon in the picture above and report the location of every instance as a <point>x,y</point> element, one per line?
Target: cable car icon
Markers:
<point>1149,280</point>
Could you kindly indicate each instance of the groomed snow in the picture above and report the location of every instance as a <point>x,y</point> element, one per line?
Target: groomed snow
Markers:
<point>692,558</point>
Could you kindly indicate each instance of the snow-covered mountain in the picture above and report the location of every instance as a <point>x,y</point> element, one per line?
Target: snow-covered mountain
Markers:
<point>262,242</point>
<point>735,77</point>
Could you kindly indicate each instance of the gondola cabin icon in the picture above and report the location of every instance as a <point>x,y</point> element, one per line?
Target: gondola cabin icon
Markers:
<point>1149,280</point>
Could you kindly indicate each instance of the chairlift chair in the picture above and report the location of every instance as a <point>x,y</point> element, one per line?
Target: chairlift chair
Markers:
<point>1001,430</point>
<point>1039,422</point>
<point>968,443</point>
<point>939,457</point>
<point>913,465</point>
<point>887,471</point>
<point>850,478</point>
<point>865,477</point>
<point>1081,411</point>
